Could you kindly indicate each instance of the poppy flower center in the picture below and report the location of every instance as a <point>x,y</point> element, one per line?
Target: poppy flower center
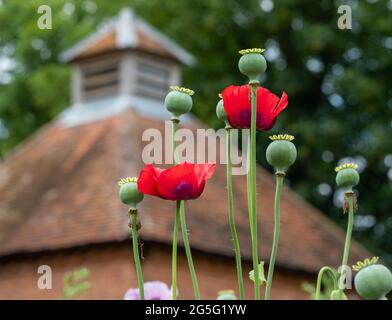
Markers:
<point>245,117</point>
<point>183,190</point>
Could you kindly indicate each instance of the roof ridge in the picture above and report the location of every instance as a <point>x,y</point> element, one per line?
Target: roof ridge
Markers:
<point>124,24</point>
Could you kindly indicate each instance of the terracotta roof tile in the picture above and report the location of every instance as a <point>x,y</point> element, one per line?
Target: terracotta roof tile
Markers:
<point>59,190</point>
<point>148,44</point>
<point>106,43</point>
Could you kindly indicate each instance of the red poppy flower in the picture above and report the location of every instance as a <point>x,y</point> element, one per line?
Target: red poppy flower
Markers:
<point>181,182</point>
<point>237,105</point>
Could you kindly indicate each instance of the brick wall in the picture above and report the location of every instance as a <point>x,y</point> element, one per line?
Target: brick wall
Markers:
<point>112,273</point>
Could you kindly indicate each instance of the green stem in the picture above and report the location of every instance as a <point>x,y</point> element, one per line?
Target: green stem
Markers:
<point>320,278</point>
<point>176,219</point>
<point>188,251</point>
<point>248,183</point>
<point>174,130</point>
<point>231,216</point>
<point>349,195</point>
<point>252,192</point>
<point>278,193</point>
<point>135,242</point>
<point>174,252</point>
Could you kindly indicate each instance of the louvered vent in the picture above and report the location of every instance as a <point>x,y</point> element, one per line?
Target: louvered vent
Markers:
<point>100,79</point>
<point>152,79</point>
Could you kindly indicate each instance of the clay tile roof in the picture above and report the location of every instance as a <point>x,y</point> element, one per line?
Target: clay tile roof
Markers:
<point>148,44</point>
<point>127,31</point>
<point>106,43</point>
<point>58,190</point>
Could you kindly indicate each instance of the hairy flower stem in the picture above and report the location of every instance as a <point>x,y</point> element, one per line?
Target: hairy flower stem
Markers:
<point>176,219</point>
<point>275,244</point>
<point>231,215</point>
<point>349,196</point>
<point>332,274</point>
<point>136,256</point>
<point>252,191</point>
<point>188,251</point>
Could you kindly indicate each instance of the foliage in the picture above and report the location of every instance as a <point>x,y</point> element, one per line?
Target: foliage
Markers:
<point>338,81</point>
<point>310,288</point>
<point>76,282</point>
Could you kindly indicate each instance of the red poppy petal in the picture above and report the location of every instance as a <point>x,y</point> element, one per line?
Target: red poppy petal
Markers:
<point>282,104</point>
<point>228,103</point>
<point>271,106</point>
<point>178,182</point>
<point>264,121</point>
<point>269,125</point>
<point>147,181</point>
<point>200,190</point>
<point>236,102</point>
<point>243,96</point>
<point>266,101</point>
<point>204,171</point>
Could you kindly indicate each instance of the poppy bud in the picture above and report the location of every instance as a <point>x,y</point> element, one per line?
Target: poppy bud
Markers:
<point>338,295</point>
<point>129,193</point>
<point>226,295</point>
<point>347,175</point>
<point>221,113</point>
<point>179,101</point>
<point>373,281</point>
<point>252,63</point>
<point>281,152</point>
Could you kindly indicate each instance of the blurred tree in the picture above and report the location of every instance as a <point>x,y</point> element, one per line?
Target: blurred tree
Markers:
<point>338,81</point>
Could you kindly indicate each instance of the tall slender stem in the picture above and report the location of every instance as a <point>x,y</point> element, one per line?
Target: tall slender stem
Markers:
<point>349,196</point>
<point>175,122</point>
<point>174,251</point>
<point>231,216</point>
<point>275,244</point>
<point>252,191</point>
<point>176,218</point>
<point>136,256</point>
<point>248,181</point>
<point>188,251</point>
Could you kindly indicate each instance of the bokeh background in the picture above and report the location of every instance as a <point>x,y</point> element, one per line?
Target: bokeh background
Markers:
<point>339,82</point>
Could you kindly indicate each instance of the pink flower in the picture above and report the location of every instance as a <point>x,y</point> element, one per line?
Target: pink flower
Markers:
<point>153,290</point>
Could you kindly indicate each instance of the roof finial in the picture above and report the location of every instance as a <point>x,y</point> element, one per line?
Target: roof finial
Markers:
<point>126,36</point>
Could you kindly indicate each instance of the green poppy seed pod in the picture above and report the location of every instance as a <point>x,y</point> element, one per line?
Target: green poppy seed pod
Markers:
<point>129,193</point>
<point>347,176</point>
<point>281,152</point>
<point>226,295</point>
<point>373,282</point>
<point>338,295</point>
<point>252,63</point>
<point>221,113</point>
<point>179,101</point>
